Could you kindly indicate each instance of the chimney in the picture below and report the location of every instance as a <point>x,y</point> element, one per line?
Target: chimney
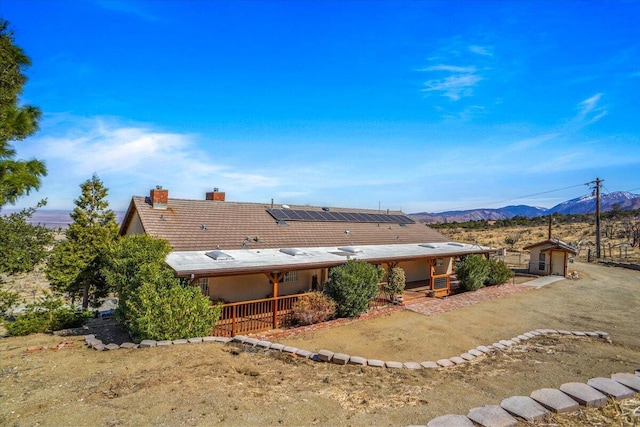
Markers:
<point>159,197</point>
<point>215,195</point>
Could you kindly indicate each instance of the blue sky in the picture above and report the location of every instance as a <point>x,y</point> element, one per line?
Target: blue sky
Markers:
<point>419,106</point>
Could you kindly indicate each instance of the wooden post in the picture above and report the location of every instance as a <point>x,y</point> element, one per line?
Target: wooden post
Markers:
<point>233,321</point>
<point>275,278</point>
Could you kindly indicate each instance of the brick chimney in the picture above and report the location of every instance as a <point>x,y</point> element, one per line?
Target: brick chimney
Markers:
<point>216,196</point>
<point>159,197</point>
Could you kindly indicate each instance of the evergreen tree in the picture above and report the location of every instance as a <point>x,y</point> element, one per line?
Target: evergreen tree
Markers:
<point>17,177</point>
<point>75,264</point>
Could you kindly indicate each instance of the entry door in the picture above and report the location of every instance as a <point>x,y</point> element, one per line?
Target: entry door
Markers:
<point>557,263</point>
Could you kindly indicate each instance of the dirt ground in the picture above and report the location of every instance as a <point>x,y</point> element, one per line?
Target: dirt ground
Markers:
<point>212,384</point>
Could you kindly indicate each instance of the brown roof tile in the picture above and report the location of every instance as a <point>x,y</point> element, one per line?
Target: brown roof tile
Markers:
<point>192,225</point>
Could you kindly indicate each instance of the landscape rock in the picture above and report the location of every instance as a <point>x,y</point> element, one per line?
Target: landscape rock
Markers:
<point>251,341</point>
<point>430,365</point>
<point>128,345</point>
<point>265,344</point>
<point>584,394</point>
<point>147,343</point>
<point>340,358</point>
<point>357,360</point>
<point>450,420</point>
<point>180,341</point>
<point>278,347</point>
<point>393,365</point>
<point>208,340</point>
<point>555,400</point>
<point>412,365</point>
<point>628,380</point>
<point>524,407</point>
<point>239,338</point>
<point>223,339</point>
<point>475,352</point>
<point>164,343</point>
<point>492,416</point>
<point>457,360</point>
<point>324,355</point>
<point>112,346</point>
<point>445,363</point>
<point>289,349</point>
<point>375,363</point>
<point>304,353</point>
<point>611,388</point>
<point>467,356</point>
<point>484,349</point>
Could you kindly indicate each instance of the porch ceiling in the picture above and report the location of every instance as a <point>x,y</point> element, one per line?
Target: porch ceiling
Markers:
<point>247,261</point>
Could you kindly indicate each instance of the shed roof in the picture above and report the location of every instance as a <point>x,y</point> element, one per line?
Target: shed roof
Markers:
<point>553,244</point>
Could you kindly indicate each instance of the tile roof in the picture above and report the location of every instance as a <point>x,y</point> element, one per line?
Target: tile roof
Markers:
<point>200,225</point>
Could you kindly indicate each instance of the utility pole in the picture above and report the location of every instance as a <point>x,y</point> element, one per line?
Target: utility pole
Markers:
<point>597,184</point>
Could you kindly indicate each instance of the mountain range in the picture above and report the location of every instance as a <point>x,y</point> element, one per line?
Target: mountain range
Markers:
<point>581,205</point>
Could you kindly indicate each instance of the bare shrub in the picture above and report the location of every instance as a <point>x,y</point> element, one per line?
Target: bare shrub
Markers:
<point>313,308</point>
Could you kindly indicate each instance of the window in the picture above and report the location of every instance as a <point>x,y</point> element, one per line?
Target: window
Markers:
<point>541,262</point>
<point>291,276</point>
<point>204,285</point>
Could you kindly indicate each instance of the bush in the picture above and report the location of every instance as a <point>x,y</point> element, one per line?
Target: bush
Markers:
<point>171,312</point>
<point>472,271</point>
<point>313,308</point>
<point>499,273</point>
<point>46,315</point>
<point>395,283</point>
<point>352,286</point>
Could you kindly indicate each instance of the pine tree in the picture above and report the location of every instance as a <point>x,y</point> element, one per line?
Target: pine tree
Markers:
<point>75,264</point>
<point>17,177</point>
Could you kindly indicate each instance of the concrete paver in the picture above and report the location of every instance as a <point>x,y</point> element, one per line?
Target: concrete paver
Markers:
<point>492,416</point>
<point>554,400</point>
<point>584,394</point>
<point>450,420</point>
<point>524,407</point>
<point>628,380</point>
<point>611,388</point>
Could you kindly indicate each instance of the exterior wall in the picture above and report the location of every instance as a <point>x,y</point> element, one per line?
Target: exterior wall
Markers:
<point>415,270</point>
<point>257,286</point>
<point>534,261</point>
<point>135,226</point>
<point>445,268</point>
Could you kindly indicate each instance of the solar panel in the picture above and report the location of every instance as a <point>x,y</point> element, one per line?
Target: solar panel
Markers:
<point>333,216</point>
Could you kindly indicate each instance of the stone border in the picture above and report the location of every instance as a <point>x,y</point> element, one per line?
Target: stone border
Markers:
<point>324,355</point>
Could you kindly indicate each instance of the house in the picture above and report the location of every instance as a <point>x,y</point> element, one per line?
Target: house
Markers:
<point>257,253</point>
<point>550,257</point>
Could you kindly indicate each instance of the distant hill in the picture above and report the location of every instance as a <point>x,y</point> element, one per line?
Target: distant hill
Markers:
<point>52,218</point>
<point>580,205</point>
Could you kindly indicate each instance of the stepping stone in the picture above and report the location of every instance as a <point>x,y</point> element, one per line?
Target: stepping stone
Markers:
<point>196,340</point>
<point>357,360</point>
<point>475,352</point>
<point>249,341</point>
<point>128,345</point>
<point>484,349</point>
<point>412,365</point>
<point>498,346</point>
<point>492,416</point>
<point>375,363</point>
<point>265,344</point>
<point>579,333</point>
<point>278,347</point>
<point>611,388</point>
<point>524,407</point>
<point>304,353</point>
<point>584,395</point>
<point>506,343</point>
<point>340,358</point>
<point>112,346</point>
<point>393,365</point>
<point>323,355</point>
<point>555,400</point>
<point>239,338</point>
<point>430,365</point>
<point>180,341</point>
<point>223,339</point>
<point>450,420</point>
<point>467,356</point>
<point>148,343</point>
<point>288,349</point>
<point>164,343</point>
<point>100,347</point>
<point>628,380</point>
<point>445,363</point>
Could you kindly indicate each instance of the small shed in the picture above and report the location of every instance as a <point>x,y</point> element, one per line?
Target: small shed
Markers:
<point>550,257</point>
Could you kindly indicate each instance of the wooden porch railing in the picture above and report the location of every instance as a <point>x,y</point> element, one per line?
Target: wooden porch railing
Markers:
<point>269,313</point>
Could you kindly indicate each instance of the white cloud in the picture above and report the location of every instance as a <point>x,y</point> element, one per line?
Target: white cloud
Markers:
<point>451,68</point>
<point>453,87</point>
<point>590,111</point>
<point>481,50</point>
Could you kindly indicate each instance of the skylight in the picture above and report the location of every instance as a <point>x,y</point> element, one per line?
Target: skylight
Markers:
<point>218,255</point>
<point>350,249</point>
<point>429,245</point>
<point>293,251</point>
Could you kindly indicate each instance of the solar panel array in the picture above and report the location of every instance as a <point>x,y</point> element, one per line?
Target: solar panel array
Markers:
<point>328,216</point>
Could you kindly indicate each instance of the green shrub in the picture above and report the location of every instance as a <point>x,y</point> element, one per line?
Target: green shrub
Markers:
<point>46,315</point>
<point>313,308</point>
<point>499,273</point>
<point>395,283</point>
<point>352,286</point>
<point>171,312</point>
<point>472,271</point>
